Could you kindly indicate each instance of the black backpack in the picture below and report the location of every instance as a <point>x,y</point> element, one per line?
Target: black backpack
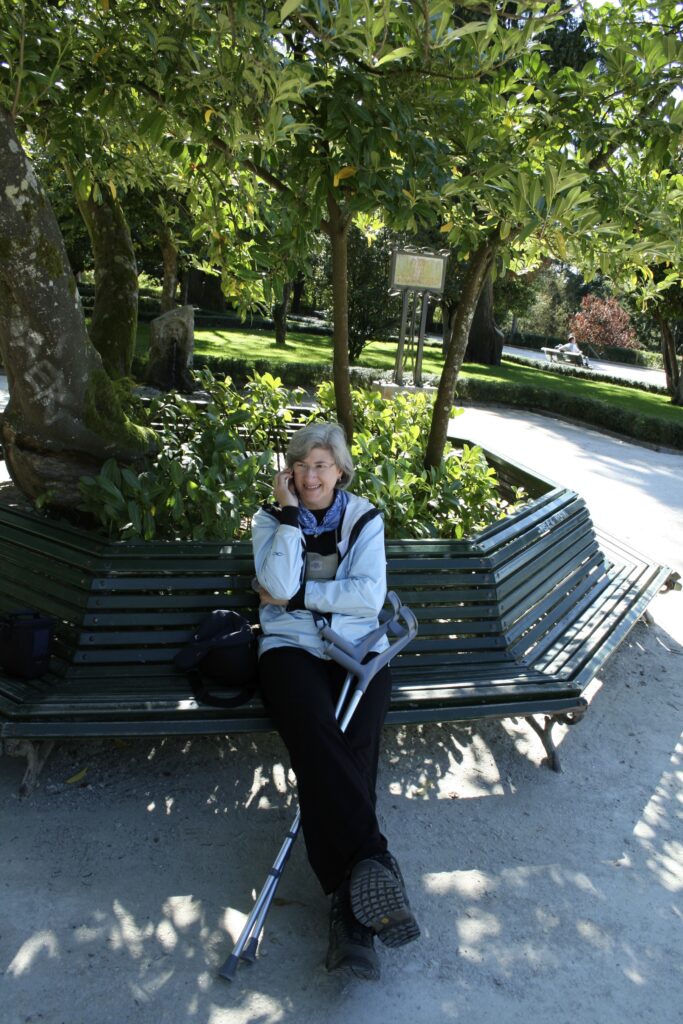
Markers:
<point>223,650</point>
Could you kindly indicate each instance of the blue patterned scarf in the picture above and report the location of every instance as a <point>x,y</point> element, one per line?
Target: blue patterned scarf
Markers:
<point>330,521</point>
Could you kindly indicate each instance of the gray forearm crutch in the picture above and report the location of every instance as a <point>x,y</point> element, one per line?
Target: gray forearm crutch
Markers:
<point>401,624</point>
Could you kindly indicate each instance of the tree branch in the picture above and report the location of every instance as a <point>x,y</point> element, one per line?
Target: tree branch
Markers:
<point>20,69</point>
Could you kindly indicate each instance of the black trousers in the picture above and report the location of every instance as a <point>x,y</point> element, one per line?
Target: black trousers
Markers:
<point>336,772</point>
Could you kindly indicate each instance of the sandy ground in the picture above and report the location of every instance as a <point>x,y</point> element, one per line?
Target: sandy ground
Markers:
<point>541,896</point>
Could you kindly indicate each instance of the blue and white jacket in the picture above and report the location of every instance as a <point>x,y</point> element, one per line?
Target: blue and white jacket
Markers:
<point>352,600</point>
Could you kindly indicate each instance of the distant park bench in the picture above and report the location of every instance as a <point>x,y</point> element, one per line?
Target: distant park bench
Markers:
<point>558,355</point>
<point>515,622</point>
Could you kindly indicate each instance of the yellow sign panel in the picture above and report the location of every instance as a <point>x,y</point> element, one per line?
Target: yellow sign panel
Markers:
<point>414,270</point>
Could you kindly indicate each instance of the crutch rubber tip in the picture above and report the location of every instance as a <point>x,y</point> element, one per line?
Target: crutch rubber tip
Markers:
<point>249,951</point>
<point>229,968</point>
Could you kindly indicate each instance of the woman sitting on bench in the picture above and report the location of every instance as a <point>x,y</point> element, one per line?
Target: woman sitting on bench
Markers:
<point>321,549</point>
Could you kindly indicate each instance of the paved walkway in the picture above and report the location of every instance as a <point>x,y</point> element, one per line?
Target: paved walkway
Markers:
<point>643,374</point>
<point>633,492</point>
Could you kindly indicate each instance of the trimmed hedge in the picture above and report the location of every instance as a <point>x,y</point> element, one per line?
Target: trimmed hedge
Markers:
<point>592,411</point>
<point>223,321</point>
<point>569,370</point>
<point>239,370</point>
<point>534,341</point>
<point>305,375</point>
<point>629,356</point>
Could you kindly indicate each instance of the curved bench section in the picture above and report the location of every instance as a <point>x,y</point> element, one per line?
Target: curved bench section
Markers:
<point>514,622</point>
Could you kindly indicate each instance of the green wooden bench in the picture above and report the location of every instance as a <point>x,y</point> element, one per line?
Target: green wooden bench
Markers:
<point>514,623</point>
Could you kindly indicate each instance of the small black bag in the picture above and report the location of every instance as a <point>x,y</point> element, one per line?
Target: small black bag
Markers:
<point>222,649</point>
<point>26,643</point>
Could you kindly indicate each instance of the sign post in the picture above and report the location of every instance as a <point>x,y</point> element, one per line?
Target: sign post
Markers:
<point>415,274</point>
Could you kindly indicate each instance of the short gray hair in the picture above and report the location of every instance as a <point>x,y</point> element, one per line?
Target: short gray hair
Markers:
<point>330,436</point>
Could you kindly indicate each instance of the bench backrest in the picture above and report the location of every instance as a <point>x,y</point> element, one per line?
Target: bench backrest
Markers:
<point>503,597</point>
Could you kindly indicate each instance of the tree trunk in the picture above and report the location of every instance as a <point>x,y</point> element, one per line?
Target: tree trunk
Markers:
<point>475,275</point>
<point>280,316</point>
<point>169,254</point>
<point>63,417</point>
<point>337,227</point>
<point>674,376</point>
<point>447,317</point>
<point>298,293</point>
<point>485,342</point>
<point>115,314</point>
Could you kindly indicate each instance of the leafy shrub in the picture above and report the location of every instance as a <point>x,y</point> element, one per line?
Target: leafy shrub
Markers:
<point>213,466</point>
<point>216,458</point>
<point>456,499</point>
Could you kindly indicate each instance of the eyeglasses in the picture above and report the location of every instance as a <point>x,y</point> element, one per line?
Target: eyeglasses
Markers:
<point>317,467</point>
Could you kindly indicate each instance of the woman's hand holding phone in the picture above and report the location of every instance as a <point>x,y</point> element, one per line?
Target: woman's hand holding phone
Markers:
<point>284,489</point>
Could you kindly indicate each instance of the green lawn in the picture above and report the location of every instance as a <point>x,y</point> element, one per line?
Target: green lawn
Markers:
<point>309,348</point>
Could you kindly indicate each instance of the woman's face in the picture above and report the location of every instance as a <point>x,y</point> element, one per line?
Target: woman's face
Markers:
<point>316,477</point>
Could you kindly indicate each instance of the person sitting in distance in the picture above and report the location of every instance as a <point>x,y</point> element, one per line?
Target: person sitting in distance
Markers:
<point>571,346</point>
<point>321,549</point>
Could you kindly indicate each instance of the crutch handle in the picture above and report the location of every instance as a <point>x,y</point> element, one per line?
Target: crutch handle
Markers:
<point>351,656</point>
<point>389,623</point>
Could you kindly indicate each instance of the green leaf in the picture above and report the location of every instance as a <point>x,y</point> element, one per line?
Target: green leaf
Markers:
<point>401,51</point>
<point>130,478</point>
<point>288,8</point>
<point>134,516</point>
<point>110,471</point>
<point>152,126</point>
<point>467,30</point>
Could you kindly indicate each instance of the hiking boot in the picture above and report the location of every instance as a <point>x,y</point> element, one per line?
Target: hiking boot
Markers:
<point>380,902</point>
<point>351,944</point>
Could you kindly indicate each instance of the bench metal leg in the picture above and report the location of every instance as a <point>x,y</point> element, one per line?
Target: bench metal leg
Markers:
<point>544,730</point>
<point>36,754</point>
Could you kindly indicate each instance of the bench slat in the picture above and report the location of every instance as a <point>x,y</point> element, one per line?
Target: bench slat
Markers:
<point>511,622</point>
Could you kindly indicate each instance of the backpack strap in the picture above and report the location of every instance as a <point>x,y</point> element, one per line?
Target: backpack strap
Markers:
<point>201,691</point>
<point>367,517</point>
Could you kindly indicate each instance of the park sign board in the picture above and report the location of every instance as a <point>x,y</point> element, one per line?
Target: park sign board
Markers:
<point>419,270</point>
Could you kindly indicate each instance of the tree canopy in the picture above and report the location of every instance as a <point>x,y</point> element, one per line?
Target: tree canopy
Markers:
<point>517,131</point>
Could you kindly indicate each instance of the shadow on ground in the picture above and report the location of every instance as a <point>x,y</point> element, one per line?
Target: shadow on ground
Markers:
<point>539,894</point>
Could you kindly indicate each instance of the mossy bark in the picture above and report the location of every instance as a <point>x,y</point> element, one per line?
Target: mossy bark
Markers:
<point>49,437</point>
<point>478,268</point>
<point>115,314</point>
<point>337,227</point>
